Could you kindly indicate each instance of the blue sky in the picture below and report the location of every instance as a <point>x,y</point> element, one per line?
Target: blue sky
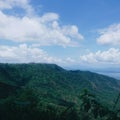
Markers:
<point>71,33</point>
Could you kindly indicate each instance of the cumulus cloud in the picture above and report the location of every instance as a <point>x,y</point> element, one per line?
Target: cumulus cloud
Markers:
<point>70,60</point>
<point>44,30</point>
<point>110,35</point>
<point>111,56</point>
<point>25,54</point>
<point>10,4</point>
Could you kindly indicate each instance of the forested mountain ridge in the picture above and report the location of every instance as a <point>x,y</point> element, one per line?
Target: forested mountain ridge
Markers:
<point>49,92</point>
<point>56,82</point>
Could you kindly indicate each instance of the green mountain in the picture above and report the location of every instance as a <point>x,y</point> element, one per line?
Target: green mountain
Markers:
<point>55,85</point>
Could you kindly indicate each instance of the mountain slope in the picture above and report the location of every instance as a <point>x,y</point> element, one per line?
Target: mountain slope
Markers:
<point>54,84</point>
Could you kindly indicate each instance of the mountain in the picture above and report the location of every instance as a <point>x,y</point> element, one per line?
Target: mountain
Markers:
<point>55,85</point>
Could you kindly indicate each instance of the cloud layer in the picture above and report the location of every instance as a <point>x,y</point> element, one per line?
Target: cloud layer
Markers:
<point>111,56</point>
<point>11,4</point>
<point>25,53</point>
<point>110,35</point>
<point>43,30</point>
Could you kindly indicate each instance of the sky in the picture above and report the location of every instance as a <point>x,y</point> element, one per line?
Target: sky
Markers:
<point>71,33</point>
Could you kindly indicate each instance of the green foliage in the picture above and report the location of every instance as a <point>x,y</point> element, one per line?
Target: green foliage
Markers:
<point>91,109</point>
<point>28,107</point>
<point>48,92</point>
<point>53,83</point>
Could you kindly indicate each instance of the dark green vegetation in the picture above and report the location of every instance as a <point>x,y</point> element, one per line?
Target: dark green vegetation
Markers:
<point>49,92</point>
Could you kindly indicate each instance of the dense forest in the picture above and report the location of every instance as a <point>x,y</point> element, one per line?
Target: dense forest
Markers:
<point>49,92</point>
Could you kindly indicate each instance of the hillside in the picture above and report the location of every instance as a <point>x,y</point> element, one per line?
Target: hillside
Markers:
<point>49,92</point>
<point>54,84</point>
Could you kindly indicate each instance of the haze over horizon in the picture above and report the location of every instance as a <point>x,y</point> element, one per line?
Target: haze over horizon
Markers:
<point>72,34</point>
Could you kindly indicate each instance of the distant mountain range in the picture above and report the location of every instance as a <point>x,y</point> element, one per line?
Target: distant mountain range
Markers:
<point>115,75</point>
<point>109,71</point>
<point>54,84</point>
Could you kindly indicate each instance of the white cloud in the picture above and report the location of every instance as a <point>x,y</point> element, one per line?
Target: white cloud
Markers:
<point>110,35</point>
<point>70,60</point>
<point>111,56</point>
<point>10,4</point>
<point>44,30</point>
<point>25,54</point>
